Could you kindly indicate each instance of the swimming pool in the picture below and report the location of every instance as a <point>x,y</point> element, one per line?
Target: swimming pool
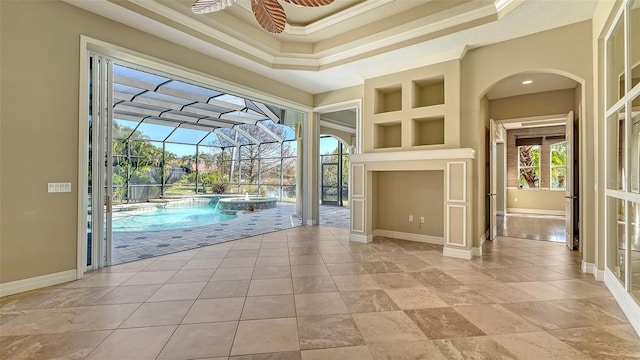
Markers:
<point>167,218</point>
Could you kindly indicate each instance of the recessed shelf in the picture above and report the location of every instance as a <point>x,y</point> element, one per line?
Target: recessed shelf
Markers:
<point>428,92</point>
<point>388,99</point>
<point>387,135</point>
<point>427,131</point>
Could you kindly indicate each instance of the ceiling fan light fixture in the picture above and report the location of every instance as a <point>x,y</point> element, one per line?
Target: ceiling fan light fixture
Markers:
<point>269,13</point>
<point>208,6</point>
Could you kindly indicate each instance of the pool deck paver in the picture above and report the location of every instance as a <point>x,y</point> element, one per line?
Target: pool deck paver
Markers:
<point>136,245</point>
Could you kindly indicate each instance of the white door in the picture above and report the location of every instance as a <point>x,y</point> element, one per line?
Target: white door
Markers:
<point>493,177</point>
<point>568,196</point>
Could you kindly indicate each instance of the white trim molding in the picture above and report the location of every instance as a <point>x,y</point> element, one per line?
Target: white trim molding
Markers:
<point>361,238</point>
<point>440,154</point>
<point>18,286</point>
<point>482,239</point>
<point>459,253</point>
<point>591,268</point>
<point>626,302</point>
<point>449,224</point>
<point>476,251</point>
<point>437,240</point>
<point>450,164</point>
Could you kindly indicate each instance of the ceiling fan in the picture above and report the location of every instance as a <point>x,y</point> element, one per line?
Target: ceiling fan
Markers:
<point>269,13</point>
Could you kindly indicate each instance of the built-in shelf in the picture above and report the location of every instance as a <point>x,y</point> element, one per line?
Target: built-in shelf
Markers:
<point>387,135</point>
<point>388,99</point>
<point>414,110</point>
<point>428,92</point>
<point>427,131</point>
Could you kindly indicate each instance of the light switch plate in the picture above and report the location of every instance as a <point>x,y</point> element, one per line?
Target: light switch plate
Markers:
<point>58,187</point>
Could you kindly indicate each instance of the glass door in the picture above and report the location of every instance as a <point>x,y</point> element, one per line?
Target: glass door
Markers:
<point>100,163</point>
<point>329,186</point>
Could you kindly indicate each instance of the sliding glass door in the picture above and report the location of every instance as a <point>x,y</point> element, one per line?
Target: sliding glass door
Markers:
<point>100,162</point>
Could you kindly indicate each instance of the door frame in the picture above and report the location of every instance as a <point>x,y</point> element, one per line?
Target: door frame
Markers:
<point>89,45</point>
<point>492,165</point>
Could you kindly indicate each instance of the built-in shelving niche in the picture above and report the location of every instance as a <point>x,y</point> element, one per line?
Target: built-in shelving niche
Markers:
<point>427,131</point>
<point>388,99</point>
<point>428,92</point>
<point>388,135</point>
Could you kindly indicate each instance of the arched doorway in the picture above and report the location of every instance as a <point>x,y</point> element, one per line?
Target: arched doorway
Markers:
<point>532,145</point>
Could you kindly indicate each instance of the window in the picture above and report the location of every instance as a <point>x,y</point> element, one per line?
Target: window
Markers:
<point>622,151</point>
<point>529,166</point>
<point>558,166</point>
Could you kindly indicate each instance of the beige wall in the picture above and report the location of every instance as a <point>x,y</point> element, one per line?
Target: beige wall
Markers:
<point>535,201</point>
<point>403,193</point>
<point>483,67</point>
<point>39,110</point>
<point>338,96</point>
<point>538,104</point>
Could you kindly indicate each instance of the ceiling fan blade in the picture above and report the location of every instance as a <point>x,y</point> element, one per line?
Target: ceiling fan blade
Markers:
<point>208,6</point>
<point>309,3</point>
<point>270,15</point>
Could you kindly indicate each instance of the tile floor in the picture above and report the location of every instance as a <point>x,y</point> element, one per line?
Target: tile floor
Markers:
<point>136,245</point>
<point>308,293</point>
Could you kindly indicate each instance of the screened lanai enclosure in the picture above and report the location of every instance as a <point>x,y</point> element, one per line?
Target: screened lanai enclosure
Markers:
<point>175,138</point>
<point>185,165</point>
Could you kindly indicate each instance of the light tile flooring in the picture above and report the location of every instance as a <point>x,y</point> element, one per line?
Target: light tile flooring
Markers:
<point>308,293</point>
<point>533,227</point>
<point>136,245</point>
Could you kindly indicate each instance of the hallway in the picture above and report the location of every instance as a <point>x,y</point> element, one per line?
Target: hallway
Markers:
<point>308,293</point>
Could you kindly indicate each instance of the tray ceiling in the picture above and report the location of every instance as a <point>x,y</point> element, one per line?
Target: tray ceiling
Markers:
<point>340,45</point>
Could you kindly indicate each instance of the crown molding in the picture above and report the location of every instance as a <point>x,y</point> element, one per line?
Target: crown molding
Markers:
<point>202,28</point>
<point>332,20</point>
<point>454,17</point>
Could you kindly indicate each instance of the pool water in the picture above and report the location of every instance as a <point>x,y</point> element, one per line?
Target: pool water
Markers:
<point>168,218</point>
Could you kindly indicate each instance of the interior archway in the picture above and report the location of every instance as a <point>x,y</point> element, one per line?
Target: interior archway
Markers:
<point>531,119</point>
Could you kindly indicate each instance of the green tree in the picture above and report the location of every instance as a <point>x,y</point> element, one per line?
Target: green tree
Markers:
<point>529,158</point>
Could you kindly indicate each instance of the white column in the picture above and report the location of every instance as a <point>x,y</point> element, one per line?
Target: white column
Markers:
<point>310,151</point>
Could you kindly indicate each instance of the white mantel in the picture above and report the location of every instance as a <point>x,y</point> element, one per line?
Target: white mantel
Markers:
<point>439,154</point>
<point>456,165</point>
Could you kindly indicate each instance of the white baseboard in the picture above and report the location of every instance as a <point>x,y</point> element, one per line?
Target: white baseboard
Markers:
<point>591,268</point>
<point>536,211</point>
<point>361,238</point>
<point>437,240</point>
<point>465,254</point>
<point>33,283</point>
<point>628,305</point>
<point>476,251</point>
<point>483,238</point>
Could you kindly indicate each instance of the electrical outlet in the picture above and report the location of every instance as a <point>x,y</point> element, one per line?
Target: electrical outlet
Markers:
<point>422,220</point>
<point>410,218</point>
